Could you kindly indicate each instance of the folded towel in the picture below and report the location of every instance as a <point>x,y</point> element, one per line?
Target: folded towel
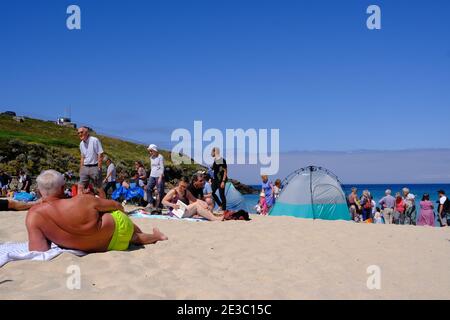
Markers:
<point>12,251</point>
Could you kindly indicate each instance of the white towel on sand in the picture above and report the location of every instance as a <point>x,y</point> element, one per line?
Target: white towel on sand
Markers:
<point>12,251</point>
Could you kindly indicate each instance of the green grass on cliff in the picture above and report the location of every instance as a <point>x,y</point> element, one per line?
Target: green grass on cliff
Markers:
<point>65,139</point>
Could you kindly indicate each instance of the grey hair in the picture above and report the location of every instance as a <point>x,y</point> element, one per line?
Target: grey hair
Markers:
<point>405,190</point>
<point>388,191</point>
<point>49,182</point>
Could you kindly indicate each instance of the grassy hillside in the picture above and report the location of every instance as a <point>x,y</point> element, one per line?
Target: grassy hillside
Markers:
<point>37,145</point>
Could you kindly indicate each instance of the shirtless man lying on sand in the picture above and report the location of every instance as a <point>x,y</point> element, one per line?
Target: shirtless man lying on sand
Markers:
<point>84,222</point>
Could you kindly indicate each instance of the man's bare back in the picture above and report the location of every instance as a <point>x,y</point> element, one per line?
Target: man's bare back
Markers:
<point>83,222</point>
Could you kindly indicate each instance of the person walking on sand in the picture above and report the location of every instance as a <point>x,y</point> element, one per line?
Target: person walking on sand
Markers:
<point>85,222</point>
<point>387,204</point>
<point>426,212</point>
<point>90,163</point>
<point>156,178</point>
<point>220,178</point>
<point>267,188</point>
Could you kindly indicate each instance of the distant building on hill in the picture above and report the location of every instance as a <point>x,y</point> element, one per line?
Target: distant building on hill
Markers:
<point>19,119</point>
<point>66,122</point>
<point>9,113</point>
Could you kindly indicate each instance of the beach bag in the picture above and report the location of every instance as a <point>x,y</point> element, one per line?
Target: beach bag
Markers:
<point>236,215</point>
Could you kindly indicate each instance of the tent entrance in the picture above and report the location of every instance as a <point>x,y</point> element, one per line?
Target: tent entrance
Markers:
<point>325,200</point>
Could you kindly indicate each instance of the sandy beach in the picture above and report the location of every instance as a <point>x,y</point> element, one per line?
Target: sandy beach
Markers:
<point>266,258</point>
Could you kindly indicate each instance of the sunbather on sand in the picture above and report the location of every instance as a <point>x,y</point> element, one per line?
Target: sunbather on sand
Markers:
<point>194,206</point>
<point>84,222</point>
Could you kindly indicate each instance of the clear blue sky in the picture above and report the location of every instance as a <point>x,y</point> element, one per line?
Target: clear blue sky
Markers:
<point>139,69</point>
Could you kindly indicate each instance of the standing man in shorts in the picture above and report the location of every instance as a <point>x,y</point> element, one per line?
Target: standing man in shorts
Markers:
<point>387,204</point>
<point>90,162</point>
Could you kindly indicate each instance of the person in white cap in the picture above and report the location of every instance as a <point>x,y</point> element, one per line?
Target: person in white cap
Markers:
<point>156,177</point>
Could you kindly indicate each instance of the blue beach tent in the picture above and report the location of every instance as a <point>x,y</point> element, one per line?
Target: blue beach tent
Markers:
<point>235,200</point>
<point>313,193</point>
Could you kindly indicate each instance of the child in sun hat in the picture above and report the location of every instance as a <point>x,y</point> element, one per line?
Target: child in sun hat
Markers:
<point>263,204</point>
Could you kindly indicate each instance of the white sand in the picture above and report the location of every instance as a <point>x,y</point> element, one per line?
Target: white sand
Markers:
<point>266,258</point>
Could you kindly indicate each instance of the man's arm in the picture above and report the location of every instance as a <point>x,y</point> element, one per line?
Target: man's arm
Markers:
<point>162,167</point>
<point>36,239</point>
<point>81,162</point>
<point>19,205</point>
<point>190,197</point>
<point>100,160</point>
<point>105,205</point>
<point>225,174</point>
<point>166,200</point>
<point>99,150</point>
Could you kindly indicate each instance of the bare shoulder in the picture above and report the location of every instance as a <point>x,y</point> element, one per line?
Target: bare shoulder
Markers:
<point>35,214</point>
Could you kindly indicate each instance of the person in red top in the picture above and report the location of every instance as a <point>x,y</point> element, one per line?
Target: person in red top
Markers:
<point>399,209</point>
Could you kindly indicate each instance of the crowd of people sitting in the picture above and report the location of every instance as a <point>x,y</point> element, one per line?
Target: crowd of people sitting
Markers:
<point>400,209</point>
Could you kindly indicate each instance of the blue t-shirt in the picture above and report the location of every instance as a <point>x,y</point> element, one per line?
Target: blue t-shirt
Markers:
<point>207,188</point>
